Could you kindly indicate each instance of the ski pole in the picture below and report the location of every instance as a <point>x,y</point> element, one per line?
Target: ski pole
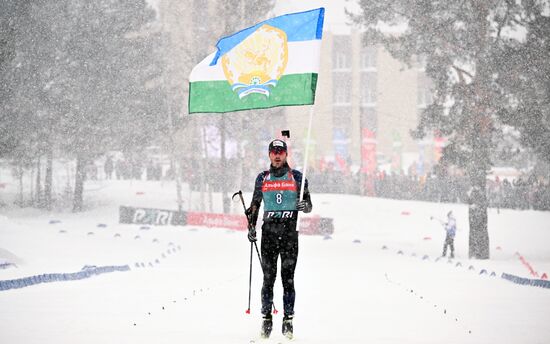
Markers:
<point>240,193</point>
<point>435,218</point>
<point>250,281</point>
<point>275,311</point>
<point>259,257</point>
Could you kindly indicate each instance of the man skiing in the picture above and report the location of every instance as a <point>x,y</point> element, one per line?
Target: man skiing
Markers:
<point>279,188</point>
<point>450,228</point>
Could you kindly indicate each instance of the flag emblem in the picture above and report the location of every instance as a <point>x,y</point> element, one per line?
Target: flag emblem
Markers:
<point>257,63</point>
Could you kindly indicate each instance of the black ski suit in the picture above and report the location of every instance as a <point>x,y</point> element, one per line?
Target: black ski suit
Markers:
<point>279,237</point>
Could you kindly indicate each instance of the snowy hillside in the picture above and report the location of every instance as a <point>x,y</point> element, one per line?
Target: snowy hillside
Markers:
<point>190,284</point>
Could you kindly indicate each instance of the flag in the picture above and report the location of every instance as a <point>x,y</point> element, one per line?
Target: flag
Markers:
<point>368,151</point>
<point>273,63</point>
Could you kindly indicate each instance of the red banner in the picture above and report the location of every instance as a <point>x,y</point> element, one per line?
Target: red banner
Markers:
<point>342,164</point>
<point>439,143</point>
<point>314,225</point>
<point>311,225</point>
<point>368,151</point>
<point>237,222</point>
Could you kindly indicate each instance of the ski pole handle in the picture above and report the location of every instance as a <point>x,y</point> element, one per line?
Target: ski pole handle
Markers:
<point>242,199</point>
<point>240,194</point>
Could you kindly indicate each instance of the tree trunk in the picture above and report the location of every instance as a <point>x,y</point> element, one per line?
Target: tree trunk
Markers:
<point>80,175</point>
<point>477,211</point>
<point>39,200</point>
<point>477,169</point>
<point>225,199</point>
<point>203,168</point>
<point>20,173</point>
<point>48,180</point>
<point>479,133</point>
<point>31,183</point>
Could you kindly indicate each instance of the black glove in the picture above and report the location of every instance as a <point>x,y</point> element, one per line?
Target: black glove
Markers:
<point>301,205</point>
<point>252,234</point>
<point>250,210</point>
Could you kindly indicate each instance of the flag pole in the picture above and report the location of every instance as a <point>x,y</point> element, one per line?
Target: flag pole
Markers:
<point>304,172</point>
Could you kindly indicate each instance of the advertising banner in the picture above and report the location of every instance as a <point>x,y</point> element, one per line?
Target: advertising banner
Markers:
<point>231,221</point>
<point>368,151</point>
<point>149,216</point>
<point>311,225</point>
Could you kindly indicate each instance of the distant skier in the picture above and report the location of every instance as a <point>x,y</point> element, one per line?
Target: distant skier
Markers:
<point>279,188</point>
<point>450,228</point>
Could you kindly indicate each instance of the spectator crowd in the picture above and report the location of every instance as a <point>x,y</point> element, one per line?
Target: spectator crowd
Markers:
<point>523,192</point>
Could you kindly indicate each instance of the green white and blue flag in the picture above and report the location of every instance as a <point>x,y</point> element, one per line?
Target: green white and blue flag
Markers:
<point>273,63</point>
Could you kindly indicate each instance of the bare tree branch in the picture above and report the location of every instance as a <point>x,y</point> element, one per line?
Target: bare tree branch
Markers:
<point>461,72</point>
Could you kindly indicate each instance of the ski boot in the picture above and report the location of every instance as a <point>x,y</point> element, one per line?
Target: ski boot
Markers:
<point>267,326</point>
<point>288,329</point>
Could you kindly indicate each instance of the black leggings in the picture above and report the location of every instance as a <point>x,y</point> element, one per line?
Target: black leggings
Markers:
<point>279,239</point>
<point>449,241</point>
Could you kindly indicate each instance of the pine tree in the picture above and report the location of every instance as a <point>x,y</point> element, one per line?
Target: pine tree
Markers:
<point>13,16</point>
<point>525,77</point>
<point>78,80</point>
<point>465,45</point>
<point>21,128</point>
<point>111,60</point>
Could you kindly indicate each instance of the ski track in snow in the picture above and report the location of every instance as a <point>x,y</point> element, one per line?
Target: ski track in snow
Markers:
<point>355,288</point>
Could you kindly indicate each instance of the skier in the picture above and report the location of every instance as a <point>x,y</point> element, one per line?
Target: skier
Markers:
<point>279,188</point>
<point>450,228</point>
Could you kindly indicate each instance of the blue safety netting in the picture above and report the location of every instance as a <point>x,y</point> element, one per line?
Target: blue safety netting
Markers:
<point>526,281</point>
<point>86,272</point>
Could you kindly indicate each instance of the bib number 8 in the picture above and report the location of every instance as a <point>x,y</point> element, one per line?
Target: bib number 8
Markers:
<point>279,198</point>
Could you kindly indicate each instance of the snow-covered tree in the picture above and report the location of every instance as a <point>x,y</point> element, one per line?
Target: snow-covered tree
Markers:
<point>479,82</point>
<point>111,60</point>
<point>525,80</point>
<point>13,16</point>
<point>81,82</point>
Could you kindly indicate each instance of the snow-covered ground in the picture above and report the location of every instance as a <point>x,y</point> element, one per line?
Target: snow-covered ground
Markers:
<point>193,287</point>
